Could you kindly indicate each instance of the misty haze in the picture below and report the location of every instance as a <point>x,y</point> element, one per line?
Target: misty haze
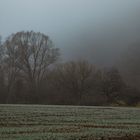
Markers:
<point>62,62</point>
<point>93,30</point>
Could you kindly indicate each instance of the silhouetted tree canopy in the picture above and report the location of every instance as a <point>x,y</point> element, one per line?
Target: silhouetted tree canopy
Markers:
<point>29,74</point>
<point>28,55</point>
<point>130,65</point>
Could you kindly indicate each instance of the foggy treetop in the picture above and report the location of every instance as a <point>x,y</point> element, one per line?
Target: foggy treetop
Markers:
<point>80,28</point>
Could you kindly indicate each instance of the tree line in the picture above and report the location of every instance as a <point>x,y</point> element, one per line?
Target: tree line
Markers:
<point>31,74</point>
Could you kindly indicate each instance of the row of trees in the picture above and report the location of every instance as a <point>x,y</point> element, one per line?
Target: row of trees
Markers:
<point>29,74</point>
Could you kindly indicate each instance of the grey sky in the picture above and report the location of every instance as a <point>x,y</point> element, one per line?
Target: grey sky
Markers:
<point>90,29</point>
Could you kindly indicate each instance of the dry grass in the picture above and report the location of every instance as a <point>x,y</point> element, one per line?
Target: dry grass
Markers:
<point>20,122</point>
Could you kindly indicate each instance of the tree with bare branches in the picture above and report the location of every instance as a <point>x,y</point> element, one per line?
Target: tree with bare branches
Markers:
<point>112,85</point>
<point>74,78</point>
<point>29,54</point>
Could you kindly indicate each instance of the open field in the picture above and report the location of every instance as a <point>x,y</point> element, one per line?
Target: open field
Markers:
<point>33,122</point>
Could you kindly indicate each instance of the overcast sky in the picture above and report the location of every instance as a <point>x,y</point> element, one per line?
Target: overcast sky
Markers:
<point>96,30</point>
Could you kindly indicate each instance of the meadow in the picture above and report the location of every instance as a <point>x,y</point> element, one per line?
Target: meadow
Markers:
<point>45,122</point>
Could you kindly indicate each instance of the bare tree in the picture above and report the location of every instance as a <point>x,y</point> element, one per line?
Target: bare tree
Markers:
<point>112,84</point>
<point>130,65</point>
<point>29,54</point>
<point>74,78</point>
<point>2,74</point>
<point>10,66</point>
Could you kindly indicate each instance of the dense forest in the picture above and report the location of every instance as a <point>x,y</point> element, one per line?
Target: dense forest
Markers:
<point>31,73</point>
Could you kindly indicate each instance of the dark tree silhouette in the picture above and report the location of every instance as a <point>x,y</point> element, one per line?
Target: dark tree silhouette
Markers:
<point>28,75</point>
<point>112,84</point>
<point>29,54</point>
<point>74,78</point>
<point>130,65</point>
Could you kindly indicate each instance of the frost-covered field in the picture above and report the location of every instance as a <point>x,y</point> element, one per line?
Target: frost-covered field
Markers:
<point>34,122</point>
